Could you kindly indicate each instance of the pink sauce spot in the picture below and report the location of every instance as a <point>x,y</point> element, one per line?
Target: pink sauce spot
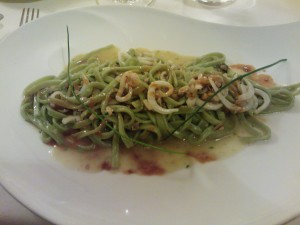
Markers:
<point>106,166</point>
<point>202,157</point>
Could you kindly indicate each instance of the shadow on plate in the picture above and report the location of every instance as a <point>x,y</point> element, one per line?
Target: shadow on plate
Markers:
<point>47,6</point>
<point>19,1</point>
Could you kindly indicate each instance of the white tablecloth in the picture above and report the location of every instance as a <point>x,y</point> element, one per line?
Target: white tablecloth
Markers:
<point>242,13</point>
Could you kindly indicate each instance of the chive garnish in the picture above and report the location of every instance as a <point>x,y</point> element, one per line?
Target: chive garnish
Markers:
<point>197,110</point>
<point>102,118</point>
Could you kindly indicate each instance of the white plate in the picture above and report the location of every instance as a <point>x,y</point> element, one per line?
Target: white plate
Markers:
<point>258,186</point>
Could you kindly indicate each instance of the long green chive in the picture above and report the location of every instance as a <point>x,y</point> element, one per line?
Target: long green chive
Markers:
<point>102,118</point>
<point>221,89</point>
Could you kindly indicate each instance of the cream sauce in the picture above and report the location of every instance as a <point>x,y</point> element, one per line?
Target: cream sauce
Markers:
<point>139,160</point>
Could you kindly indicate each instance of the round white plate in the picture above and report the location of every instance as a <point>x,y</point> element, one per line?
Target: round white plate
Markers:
<point>258,186</point>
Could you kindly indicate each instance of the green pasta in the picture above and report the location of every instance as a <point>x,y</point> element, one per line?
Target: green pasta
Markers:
<point>110,98</point>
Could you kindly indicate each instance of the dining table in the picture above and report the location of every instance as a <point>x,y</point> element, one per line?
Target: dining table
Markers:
<point>249,13</point>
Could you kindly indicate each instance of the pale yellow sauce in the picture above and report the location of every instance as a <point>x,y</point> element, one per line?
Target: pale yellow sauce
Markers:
<point>93,161</point>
